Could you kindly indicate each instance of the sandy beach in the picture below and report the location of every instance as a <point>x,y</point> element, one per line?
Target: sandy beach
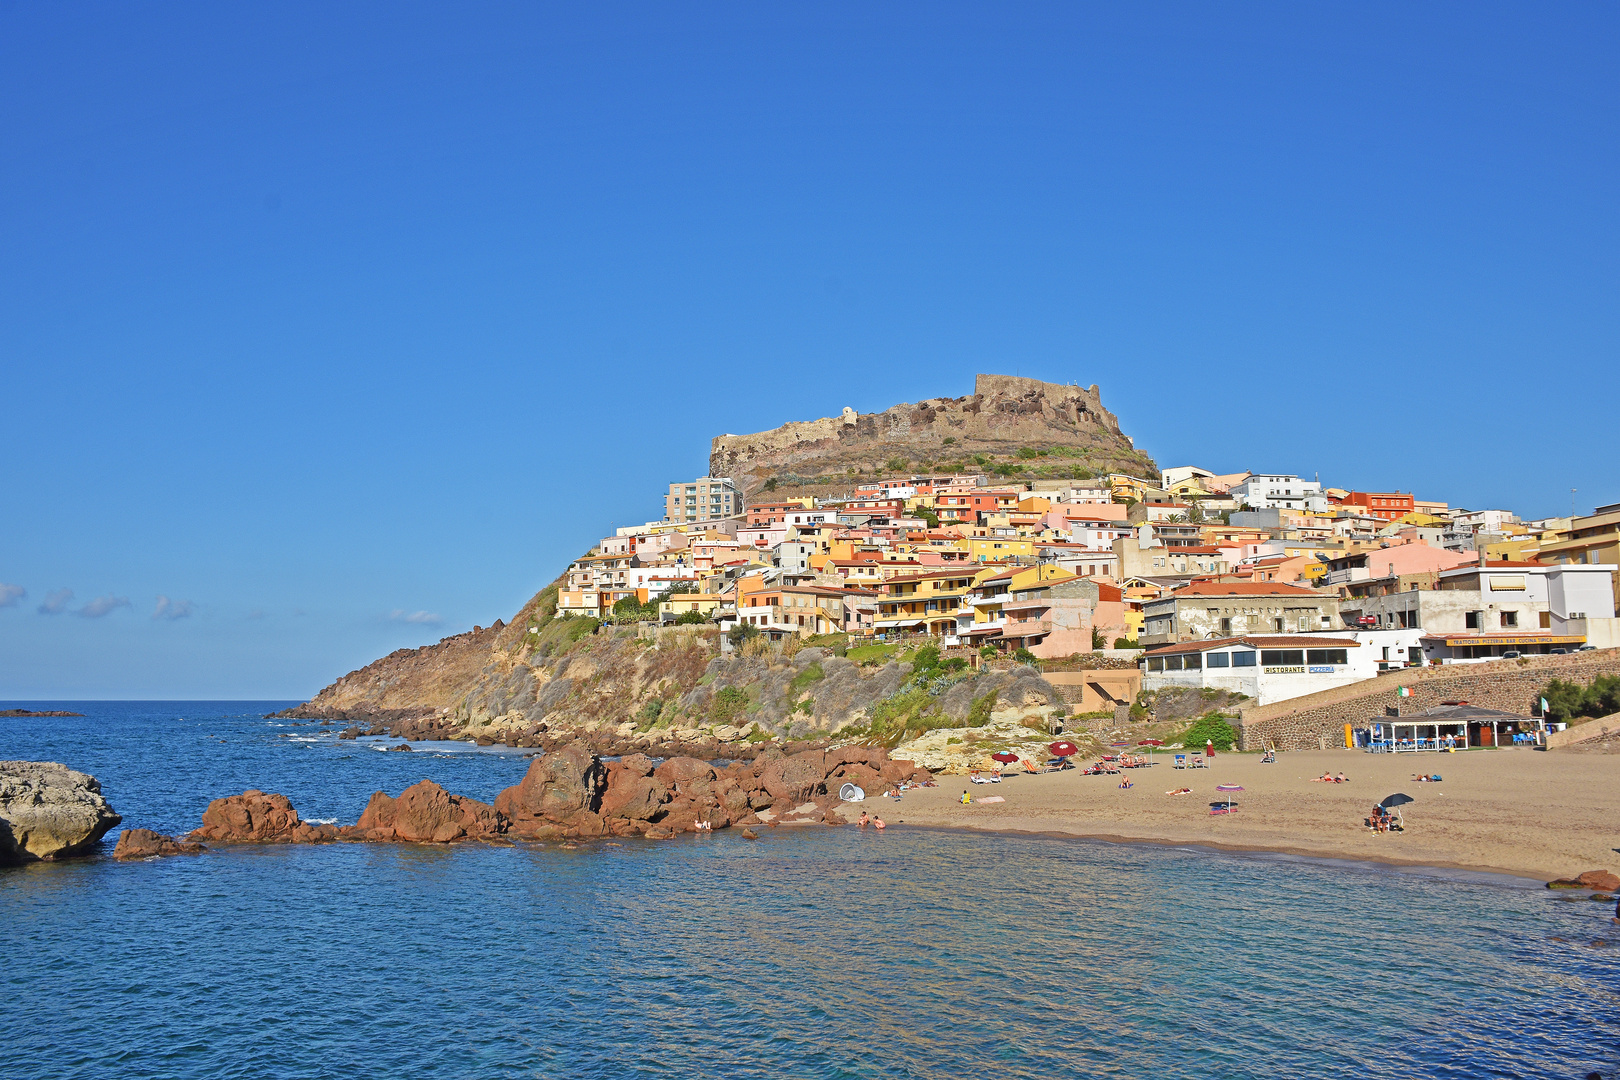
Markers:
<point>1522,812</point>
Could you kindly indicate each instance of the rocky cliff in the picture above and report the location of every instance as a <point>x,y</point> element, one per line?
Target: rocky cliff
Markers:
<point>1011,426</point>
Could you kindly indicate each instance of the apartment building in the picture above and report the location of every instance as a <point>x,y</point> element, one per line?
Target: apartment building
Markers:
<point>703,499</point>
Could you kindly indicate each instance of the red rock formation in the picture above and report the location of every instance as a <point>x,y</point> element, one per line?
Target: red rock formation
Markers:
<point>425,813</point>
<point>559,795</point>
<point>569,793</point>
<point>146,844</point>
<point>251,817</point>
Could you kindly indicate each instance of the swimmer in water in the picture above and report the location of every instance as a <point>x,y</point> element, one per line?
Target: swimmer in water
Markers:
<point>877,823</point>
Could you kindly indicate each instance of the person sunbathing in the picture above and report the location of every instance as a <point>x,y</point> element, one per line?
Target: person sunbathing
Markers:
<point>1180,791</point>
<point>1341,779</point>
<point>1124,784</point>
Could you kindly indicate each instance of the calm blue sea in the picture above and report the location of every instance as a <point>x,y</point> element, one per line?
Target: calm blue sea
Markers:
<point>814,953</point>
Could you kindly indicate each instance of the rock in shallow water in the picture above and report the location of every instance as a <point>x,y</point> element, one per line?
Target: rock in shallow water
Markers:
<point>49,811</point>
<point>146,844</point>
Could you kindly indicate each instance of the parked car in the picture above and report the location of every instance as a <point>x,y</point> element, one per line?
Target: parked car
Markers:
<point>1586,648</point>
<point>1512,654</point>
<point>1557,652</point>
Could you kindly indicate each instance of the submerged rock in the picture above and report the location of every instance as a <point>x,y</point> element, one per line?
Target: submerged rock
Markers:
<point>146,844</point>
<point>49,811</point>
<point>1597,880</point>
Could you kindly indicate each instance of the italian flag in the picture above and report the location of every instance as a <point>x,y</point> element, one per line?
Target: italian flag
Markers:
<point>1403,691</point>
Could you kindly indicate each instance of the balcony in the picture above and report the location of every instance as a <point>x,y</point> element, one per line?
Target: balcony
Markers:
<point>1027,628</point>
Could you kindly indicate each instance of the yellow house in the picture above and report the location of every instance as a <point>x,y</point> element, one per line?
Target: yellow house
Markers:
<point>981,614</point>
<point>681,603</point>
<point>923,603</point>
<point>997,548</point>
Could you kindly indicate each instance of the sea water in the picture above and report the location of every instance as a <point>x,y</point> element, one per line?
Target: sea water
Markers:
<point>811,952</point>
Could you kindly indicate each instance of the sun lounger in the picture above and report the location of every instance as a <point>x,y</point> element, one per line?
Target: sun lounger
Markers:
<point>1198,762</point>
<point>1181,762</point>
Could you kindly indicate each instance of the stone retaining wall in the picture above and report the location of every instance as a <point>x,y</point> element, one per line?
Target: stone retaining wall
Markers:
<point>1316,721</point>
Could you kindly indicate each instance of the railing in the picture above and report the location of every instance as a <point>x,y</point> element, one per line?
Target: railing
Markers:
<point>1027,628</point>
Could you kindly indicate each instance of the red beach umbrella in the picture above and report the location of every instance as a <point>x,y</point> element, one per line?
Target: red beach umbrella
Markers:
<point>1063,749</point>
<point>1006,757</point>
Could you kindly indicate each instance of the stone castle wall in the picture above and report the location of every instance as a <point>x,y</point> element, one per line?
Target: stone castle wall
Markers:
<point>1316,721</point>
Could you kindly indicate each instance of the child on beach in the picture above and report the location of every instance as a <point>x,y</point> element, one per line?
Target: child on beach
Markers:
<point>863,819</point>
<point>965,799</point>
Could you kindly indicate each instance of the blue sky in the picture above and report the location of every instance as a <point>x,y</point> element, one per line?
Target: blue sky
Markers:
<point>331,329</point>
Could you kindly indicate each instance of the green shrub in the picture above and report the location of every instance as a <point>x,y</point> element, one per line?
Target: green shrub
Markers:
<point>742,632</point>
<point>988,652</point>
<point>728,702</point>
<point>1568,700</point>
<point>1125,643</point>
<point>1098,641</point>
<point>1024,656</point>
<point>1211,728</point>
<point>690,618</point>
<point>803,679</point>
<point>979,714</point>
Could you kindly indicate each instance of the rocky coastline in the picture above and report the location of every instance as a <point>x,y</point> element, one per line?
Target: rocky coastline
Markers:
<point>569,794</point>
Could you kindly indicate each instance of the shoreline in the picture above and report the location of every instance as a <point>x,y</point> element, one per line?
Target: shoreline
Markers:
<point>1518,813</point>
<point>1223,848</point>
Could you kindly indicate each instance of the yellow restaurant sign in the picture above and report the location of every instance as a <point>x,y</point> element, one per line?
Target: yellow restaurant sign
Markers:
<point>1544,639</point>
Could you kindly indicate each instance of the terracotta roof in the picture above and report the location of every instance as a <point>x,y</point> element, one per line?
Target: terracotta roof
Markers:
<point>1242,588</point>
<point>1269,641</point>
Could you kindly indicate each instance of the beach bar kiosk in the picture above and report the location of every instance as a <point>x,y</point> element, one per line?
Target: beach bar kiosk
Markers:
<point>1453,725</point>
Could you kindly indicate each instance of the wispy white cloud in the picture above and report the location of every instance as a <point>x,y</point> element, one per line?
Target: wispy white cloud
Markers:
<point>10,594</point>
<point>415,618</point>
<point>171,609</point>
<point>103,605</point>
<point>56,602</point>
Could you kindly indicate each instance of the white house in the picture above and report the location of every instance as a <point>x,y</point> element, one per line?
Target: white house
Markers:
<point>1273,490</point>
<point>1266,667</point>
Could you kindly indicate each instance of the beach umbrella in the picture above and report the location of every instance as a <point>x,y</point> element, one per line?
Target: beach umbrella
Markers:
<point>1063,749</point>
<point>851,793</point>
<point>1006,757</point>
<point>1397,799</point>
<point>1229,788</point>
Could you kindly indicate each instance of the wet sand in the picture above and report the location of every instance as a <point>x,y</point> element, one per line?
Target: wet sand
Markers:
<point>1534,814</point>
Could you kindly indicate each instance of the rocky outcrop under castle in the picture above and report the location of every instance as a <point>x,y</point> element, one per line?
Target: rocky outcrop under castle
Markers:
<point>1004,415</point>
<point>49,811</point>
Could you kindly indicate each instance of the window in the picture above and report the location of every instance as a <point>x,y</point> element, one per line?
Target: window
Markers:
<point>1278,623</point>
<point>1220,659</point>
<point>1304,624</point>
<point>1155,663</point>
<point>1243,659</point>
<point>1471,620</point>
<point>1172,663</point>
<point>1546,620</point>
<point>1194,662</point>
<point>1510,618</point>
<point>1282,657</point>
<point>1226,626</point>
<point>1327,656</point>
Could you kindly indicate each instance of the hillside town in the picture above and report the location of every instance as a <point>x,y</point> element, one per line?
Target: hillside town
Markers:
<point>1263,584</point>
